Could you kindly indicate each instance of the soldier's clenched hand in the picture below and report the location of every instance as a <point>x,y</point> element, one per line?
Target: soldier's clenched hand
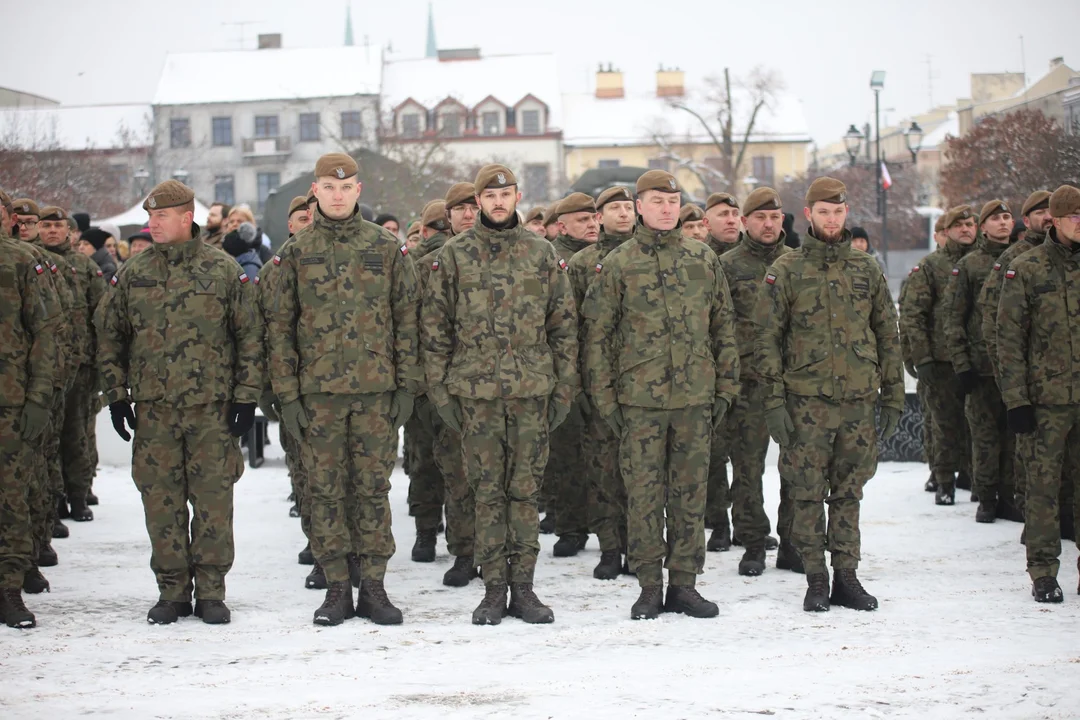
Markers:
<point>268,405</point>
<point>121,411</point>
<point>295,418</point>
<point>719,410</point>
<point>781,428</point>
<point>615,420</point>
<point>557,414</point>
<point>890,421</point>
<point>401,407</point>
<point>34,420</point>
<point>1022,420</point>
<point>911,369</point>
<point>241,418</point>
<point>451,414</point>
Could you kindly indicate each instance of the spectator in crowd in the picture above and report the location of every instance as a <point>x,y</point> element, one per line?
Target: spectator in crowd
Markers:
<point>389,222</point>
<point>242,214</point>
<point>98,241</point>
<point>242,243</point>
<point>115,236</point>
<point>860,240</point>
<point>366,212</point>
<point>82,224</point>
<point>140,241</point>
<point>123,251</point>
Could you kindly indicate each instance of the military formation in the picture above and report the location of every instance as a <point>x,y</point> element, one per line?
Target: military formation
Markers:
<point>598,362</point>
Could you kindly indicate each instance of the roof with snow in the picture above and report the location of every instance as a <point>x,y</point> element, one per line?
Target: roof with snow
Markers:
<point>232,76</point>
<point>507,78</point>
<point>87,127</point>
<point>937,136</point>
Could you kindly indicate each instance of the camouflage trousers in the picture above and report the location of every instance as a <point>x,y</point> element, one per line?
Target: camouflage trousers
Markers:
<point>663,455</point>
<point>427,487</point>
<point>718,492</point>
<point>46,492</point>
<point>16,475</point>
<point>182,457</point>
<point>460,500</point>
<point>831,457</point>
<point>74,444</point>
<point>992,448</point>
<point>91,433</point>
<point>294,455</point>
<point>350,448</point>
<point>565,473</point>
<point>951,442</point>
<point>1051,457</point>
<point>607,493</point>
<point>748,438</point>
<point>505,445</point>
<point>921,389</point>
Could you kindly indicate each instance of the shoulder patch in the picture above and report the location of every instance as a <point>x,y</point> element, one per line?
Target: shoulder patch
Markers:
<point>770,278</point>
<point>74,270</point>
<point>599,267</point>
<point>256,279</point>
<point>277,259</point>
<point>114,280</point>
<point>404,250</point>
<point>914,270</point>
<point>562,263</point>
<point>52,268</point>
<point>1010,274</point>
<point>100,274</point>
<point>997,266</point>
<point>243,278</point>
<point>38,269</point>
<point>434,265</point>
<point>955,271</point>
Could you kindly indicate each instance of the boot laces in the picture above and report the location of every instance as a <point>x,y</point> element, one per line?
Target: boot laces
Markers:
<point>819,584</point>
<point>14,599</point>
<point>848,577</point>
<point>494,594</point>
<point>375,590</point>
<point>463,562</point>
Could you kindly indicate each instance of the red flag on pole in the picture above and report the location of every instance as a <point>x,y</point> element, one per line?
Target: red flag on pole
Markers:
<point>886,180</point>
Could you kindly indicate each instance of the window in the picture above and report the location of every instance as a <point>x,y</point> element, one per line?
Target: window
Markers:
<point>224,190</point>
<point>309,127</point>
<point>763,169</point>
<point>268,182</point>
<point>451,124</point>
<point>179,133</point>
<point>410,125</point>
<point>607,164</point>
<point>658,164</point>
<point>222,131</point>
<point>489,121</point>
<point>530,122</point>
<point>351,127</point>
<point>536,182</point>
<point>266,126</point>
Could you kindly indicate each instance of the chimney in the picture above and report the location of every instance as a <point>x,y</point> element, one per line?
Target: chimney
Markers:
<point>1056,62</point>
<point>609,83</point>
<point>670,83</point>
<point>270,41</point>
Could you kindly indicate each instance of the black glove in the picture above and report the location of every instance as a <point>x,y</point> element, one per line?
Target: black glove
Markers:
<point>925,371</point>
<point>968,380</point>
<point>1022,420</point>
<point>241,418</point>
<point>120,411</point>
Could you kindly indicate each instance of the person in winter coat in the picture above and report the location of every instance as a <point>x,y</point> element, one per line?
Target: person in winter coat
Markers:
<point>101,255</point>
<point>860,240</point>
<point>242,243</point>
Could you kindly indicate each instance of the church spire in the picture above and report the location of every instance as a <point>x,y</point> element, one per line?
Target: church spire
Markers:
<point>348,24</point>
<point>432,48</point>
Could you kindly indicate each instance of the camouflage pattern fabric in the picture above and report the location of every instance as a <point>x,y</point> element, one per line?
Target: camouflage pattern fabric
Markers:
<point>1052,459</point>
<point>17,546</point>
<point>427,487</point>
<point>991,290</point>
<point>459,496</point>
<point>992,446</point>
<point>963,321</point>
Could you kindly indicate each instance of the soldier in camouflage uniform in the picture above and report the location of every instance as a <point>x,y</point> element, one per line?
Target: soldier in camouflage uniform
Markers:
<point>662,370</point>
<point>744,428</point>
<point>1038,342</point>
<point>827,349</point>
<point>500,350</point>
<point>341,329</point>
<point>991,442</point>
<point>179,336</point>
<point>692,223</point>
<point>922,318</point>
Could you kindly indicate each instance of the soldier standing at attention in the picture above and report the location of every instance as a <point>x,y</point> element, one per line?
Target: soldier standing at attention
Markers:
<point>500,351</point>
<point>662,370</point>
<point>343,363</point>
<point>1039,365</point>
<point>179,337</point>
<point>826,351</point>
<point>692,222</point>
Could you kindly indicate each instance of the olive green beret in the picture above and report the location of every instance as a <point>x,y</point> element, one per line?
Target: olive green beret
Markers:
<point>658,180</point>
<point>993,208</point>
<point>434,216</point>
<point>337,165</point>
<point>1036,201</point>
<point>51,212</point>
<point>493,176</point>
<point>537,213</point>
<point>26,206</point>
<point>691,213</point>
<point>310,197</point>
<point>300,202</point>
<point>72,224</point>
<point>721,197</point>
<point>826,189</point>
<point>171,193</point>
<point>763,198</point>
<point>939,224</point>
<point>414,228</point>
<point>613,194</point>
<point>551,214</point>
<point>1064,201</point>
<point>459,193</point>
<point>576,202</point>
<point>958,213</point>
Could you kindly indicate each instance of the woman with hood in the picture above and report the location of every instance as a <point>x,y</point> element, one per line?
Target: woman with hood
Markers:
<point>243,243</point>
<point>98,239</point>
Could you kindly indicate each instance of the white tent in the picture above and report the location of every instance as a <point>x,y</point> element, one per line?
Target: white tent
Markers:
<point>137,218</point>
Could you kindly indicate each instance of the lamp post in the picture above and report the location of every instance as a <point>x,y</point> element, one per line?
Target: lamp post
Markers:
<point>141,176</point>
<point>181,175</point>
<point>913,138</point>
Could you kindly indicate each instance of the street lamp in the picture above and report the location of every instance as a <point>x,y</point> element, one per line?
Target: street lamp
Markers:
<point>180,175</point>
<point>852,142</point>
<point>913,137</point>
<point>141,176</point>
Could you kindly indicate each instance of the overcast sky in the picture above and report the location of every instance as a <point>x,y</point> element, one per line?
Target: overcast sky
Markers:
<point>107,51</point>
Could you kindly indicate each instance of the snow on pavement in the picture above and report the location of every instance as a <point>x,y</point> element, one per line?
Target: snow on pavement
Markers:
<point>957,632</point>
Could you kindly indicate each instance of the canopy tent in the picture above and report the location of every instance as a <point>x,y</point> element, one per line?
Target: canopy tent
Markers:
<point>134,219</point>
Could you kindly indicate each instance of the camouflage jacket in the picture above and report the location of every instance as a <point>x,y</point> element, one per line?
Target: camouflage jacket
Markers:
<point>660,330</point>
<point>963,322</point>
<point>92,285</point>
<point>905,346</point>
<point>430,245</point>
<point>581,270</point>
<point>991,292</point>
<point>79,315</point>
<point>926,303</point>
<point>567,247</point>
<point>1038,336</point>
<point>426,252</point>
<point>67,360</point>
<point>29,320</point>
<point>499,319</point>
<point>719,247</point>
<point>180,326</point>
<point>745,268</point>
<point>828,327</point>
<point>342,316</point>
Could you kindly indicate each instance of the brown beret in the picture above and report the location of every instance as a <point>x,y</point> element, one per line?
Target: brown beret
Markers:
<point>826,189</point>
<point>493,176</point>
<point>310,197</point>
<point>414,228</point>
<point>721,197</point>
<point>939,224</point>
<point>1036,201</point>
<point>551,214</point>
<point>993,208</point>
<point>72,224</point>
<point>691,213</point>
<point>763,198</point>
<point>434,216</point>
<point>1064,201</point>
<point>26,206</point>
<point>658,180</point>
<point>613,194</point>
<point>300,202</point>
<point>575,202</point>
<point>171,193</point>
<point>537,213</point>
<point>459,193</point>
<point>51,212</point>
<point>5,200</point>
<point>337,165</point>
<point>958,213</point>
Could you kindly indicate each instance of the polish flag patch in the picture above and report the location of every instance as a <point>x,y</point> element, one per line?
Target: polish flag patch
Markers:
<point>100,274</point>
<point>243,278</point>
<point>113,281</point>
<point>914,270</point>
<point>53,269</point>
<point>955,271</point>
<point>771,279</point>
<point>38,269</point>
<point>434,265</point>
<point>256,279</point>
<point>404,250</point>
<point>1010,274</point>
<point>599,267</point>
<point>277,259</point>
<point>562,263</point>
<point>997,266</point>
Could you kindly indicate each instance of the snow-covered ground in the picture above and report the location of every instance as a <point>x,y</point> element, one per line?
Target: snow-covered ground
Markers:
<point>957,633</point>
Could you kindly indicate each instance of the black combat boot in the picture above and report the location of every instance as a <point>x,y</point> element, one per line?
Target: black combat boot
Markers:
<point>13,612</point>
<point>47,557</point>
<point>80,511</point>
<point>423,550</point>
<point>492,609</point>
<point>34,582</point>
<point>91,498</point>
<point>609,567</point>
<point>647,606</point>
<point>1008,509</point>
<point>569,545</point>
<point>788,559</point>
<point>305,556</point>
<point>316,579</point>
<point>373,603</point>
<point>987,511</point>
<point>213,612</point>
<point>817,593</point>
<point>753,562</point>
<point>848,591</point>
<point>59,530</point>
<point>526,606</point>
<point>963,480</point>
<point>463,571</point>
<point>353,561</point>
<point>166,612</point>
<point>1047,590</point>
<point>337,607</point>
<point>946,495</point>
<point>719,539</point>
<point>687,600</point>
<point>931,484</point>
<point>547,525</point>
<point>62,508</point>
<point>771,543</point>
